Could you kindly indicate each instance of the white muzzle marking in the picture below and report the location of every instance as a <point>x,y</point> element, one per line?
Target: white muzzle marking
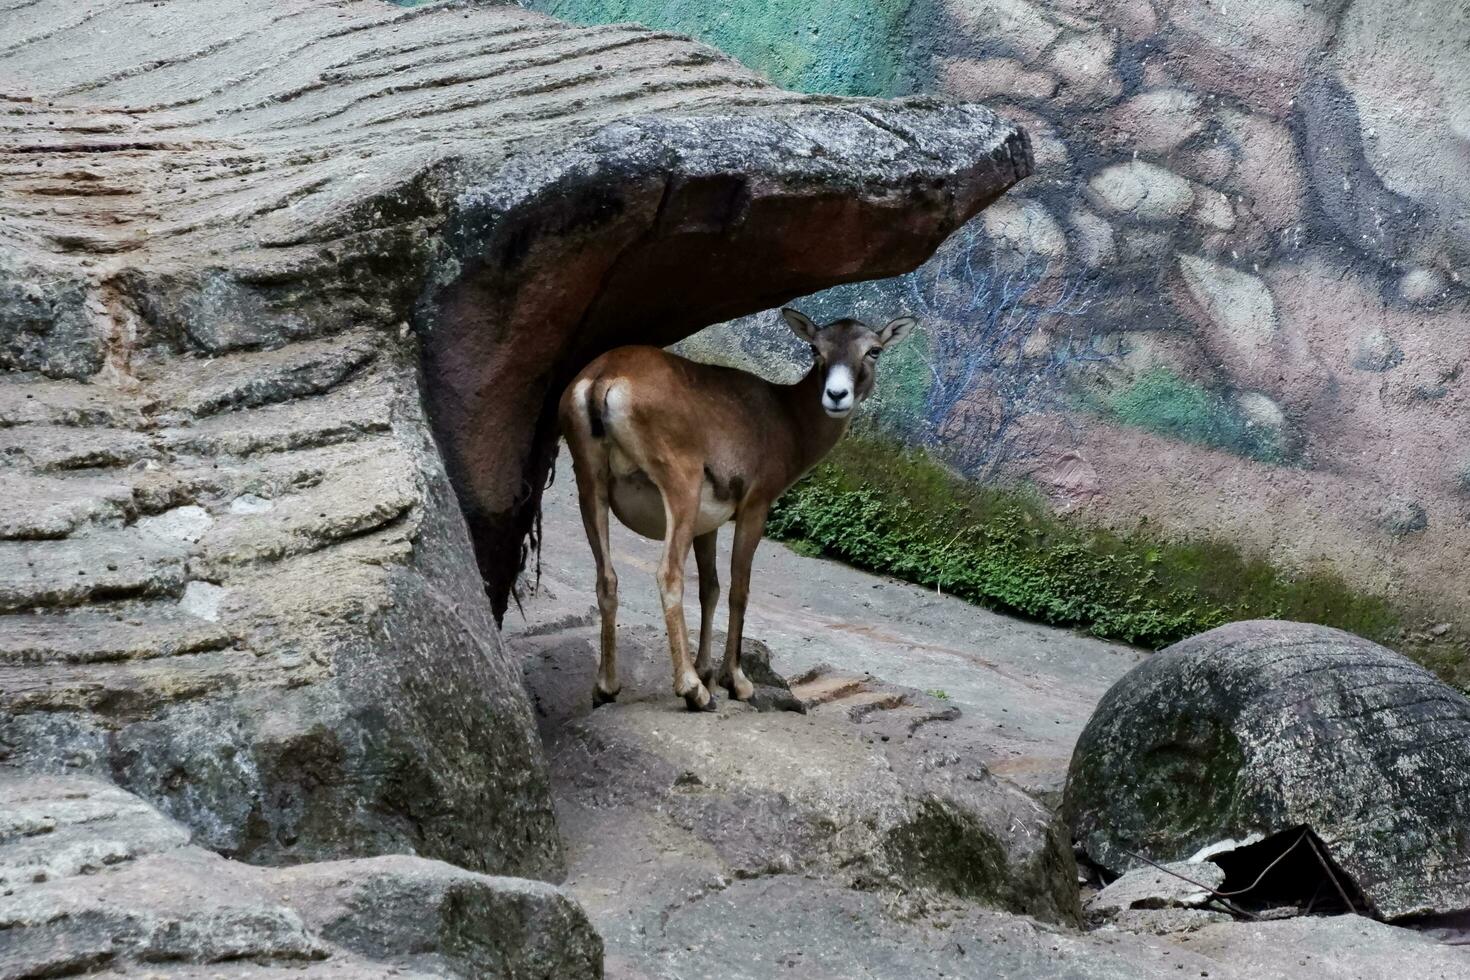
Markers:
<point>837,391</point>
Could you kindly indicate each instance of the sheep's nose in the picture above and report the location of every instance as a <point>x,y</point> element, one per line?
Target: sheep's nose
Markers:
<point>836,394</point>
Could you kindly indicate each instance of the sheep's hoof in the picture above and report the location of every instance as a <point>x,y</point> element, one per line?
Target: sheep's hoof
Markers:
<point>739,687</point>
<point>691,700</point>
<point>601,697</point>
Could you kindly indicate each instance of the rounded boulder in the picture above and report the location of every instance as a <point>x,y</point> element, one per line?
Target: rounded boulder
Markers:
<point>1257,728</point>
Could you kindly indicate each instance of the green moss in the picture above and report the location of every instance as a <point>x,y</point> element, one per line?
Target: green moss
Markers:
<point>1187,784</point>
<point>1162,402</point>
<point>946,848</point>
<point>841,47</point>
<point>879,506</point>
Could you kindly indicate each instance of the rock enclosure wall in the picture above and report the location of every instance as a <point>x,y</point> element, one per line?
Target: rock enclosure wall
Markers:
<point>1232,300</point>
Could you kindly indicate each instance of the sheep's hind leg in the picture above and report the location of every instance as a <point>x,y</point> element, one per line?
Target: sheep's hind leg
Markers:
<point>709,600</point>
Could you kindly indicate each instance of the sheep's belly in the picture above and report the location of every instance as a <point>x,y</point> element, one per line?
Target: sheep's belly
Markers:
<point>640,506</point>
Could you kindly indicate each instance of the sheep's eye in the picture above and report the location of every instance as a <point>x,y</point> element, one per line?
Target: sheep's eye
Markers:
<point>873,354</point>
<point>816,354</point>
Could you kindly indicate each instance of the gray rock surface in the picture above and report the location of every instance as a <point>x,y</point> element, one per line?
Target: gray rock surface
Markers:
<point>262,616</point>
<point>233,575</point>
<point>1155,888</point>
<point>1347,946</point>
<point>671,904</point>
<point>1260,727</point>
<point>560,666</point>
<point>437,918</point>
<point>871,786</point>
<point>93,878</point>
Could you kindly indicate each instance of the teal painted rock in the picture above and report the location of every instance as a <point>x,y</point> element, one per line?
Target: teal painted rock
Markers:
<point>844,47</point>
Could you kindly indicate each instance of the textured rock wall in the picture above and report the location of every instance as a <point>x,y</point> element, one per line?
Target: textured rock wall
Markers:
<point>241,588</point>
<point>1259,211</point>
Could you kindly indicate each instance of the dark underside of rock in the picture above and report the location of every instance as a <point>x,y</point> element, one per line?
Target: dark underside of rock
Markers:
<point>1263,728</point>
<point>239,561</point>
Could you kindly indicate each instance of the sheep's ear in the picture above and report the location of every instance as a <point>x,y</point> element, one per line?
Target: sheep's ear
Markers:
<point>801,325</point>
<point>895,330</point>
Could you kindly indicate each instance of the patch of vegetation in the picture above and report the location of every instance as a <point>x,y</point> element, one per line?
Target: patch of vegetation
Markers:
<point>880,506</point>
<point>1162,402</point>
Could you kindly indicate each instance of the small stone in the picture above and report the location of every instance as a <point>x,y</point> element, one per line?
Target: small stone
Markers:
<point>1144,191</point>
<point>1026,226</point>
<point>1158,888</point>
<point>186,523</point>
<point>1421,285</point>
<point>1212,209</point>
<point>249,503</point>
<point>1260,410</point>
<point>1377,352</point>
<point>1094,236</point>
<point>203,599</point>
<point>1239,303</point>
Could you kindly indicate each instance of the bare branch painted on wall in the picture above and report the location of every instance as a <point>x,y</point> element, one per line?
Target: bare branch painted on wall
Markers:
<point>1002,341</point>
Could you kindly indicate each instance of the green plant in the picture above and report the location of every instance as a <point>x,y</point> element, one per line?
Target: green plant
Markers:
<point>880,506</point>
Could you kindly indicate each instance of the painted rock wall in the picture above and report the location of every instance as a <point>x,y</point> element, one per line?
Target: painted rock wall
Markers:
<point>1232,300</point>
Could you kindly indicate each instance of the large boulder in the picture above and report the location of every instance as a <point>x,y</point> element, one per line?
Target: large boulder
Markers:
<point>92,878</point>
<point>239,256</point>
<point>1261,728</point>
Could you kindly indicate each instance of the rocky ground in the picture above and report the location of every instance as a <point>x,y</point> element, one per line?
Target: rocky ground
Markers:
<point>93,880</point>
<point>902,826</point>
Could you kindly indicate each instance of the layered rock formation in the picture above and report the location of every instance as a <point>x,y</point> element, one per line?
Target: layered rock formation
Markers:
<point>93,879</point>
<point>236,258</point>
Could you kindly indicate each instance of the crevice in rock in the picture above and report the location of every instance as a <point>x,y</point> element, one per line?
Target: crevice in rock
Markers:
<point>1292,869</point>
